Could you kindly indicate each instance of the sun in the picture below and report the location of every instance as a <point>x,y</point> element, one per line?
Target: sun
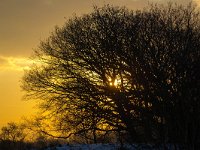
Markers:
<point>114,82</point>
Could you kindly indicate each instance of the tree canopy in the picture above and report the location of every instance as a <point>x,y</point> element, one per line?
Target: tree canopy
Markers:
<point>121,70</point>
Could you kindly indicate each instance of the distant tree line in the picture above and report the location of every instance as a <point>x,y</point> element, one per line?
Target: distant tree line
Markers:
<point>135,73</point>
<point>25,136</point>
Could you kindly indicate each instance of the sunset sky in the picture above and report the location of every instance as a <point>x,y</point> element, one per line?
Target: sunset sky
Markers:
<point>23,24</point>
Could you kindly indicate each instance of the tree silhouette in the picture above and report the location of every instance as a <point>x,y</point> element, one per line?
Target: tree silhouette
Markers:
<point>116,69</point>
<point>12,132</point>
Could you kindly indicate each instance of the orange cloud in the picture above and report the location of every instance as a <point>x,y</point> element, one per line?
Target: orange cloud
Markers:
<point>14,63</point>
<point>197,2</point>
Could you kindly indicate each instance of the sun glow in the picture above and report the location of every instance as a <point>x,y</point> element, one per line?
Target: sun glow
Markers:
<point>115,82</point>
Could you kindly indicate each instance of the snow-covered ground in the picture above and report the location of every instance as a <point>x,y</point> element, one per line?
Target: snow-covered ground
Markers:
<point>91,147</point>
<point>111,147</point>
<point>88,147</point>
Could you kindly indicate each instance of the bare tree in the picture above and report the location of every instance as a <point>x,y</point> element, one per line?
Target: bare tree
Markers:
<point>12,132</point>
<point>121,70</point>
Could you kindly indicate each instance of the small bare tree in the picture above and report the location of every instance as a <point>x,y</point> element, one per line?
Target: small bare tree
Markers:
<point>12,132</point>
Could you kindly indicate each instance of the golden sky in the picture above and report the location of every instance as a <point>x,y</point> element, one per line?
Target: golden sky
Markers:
<point>23,23</point>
